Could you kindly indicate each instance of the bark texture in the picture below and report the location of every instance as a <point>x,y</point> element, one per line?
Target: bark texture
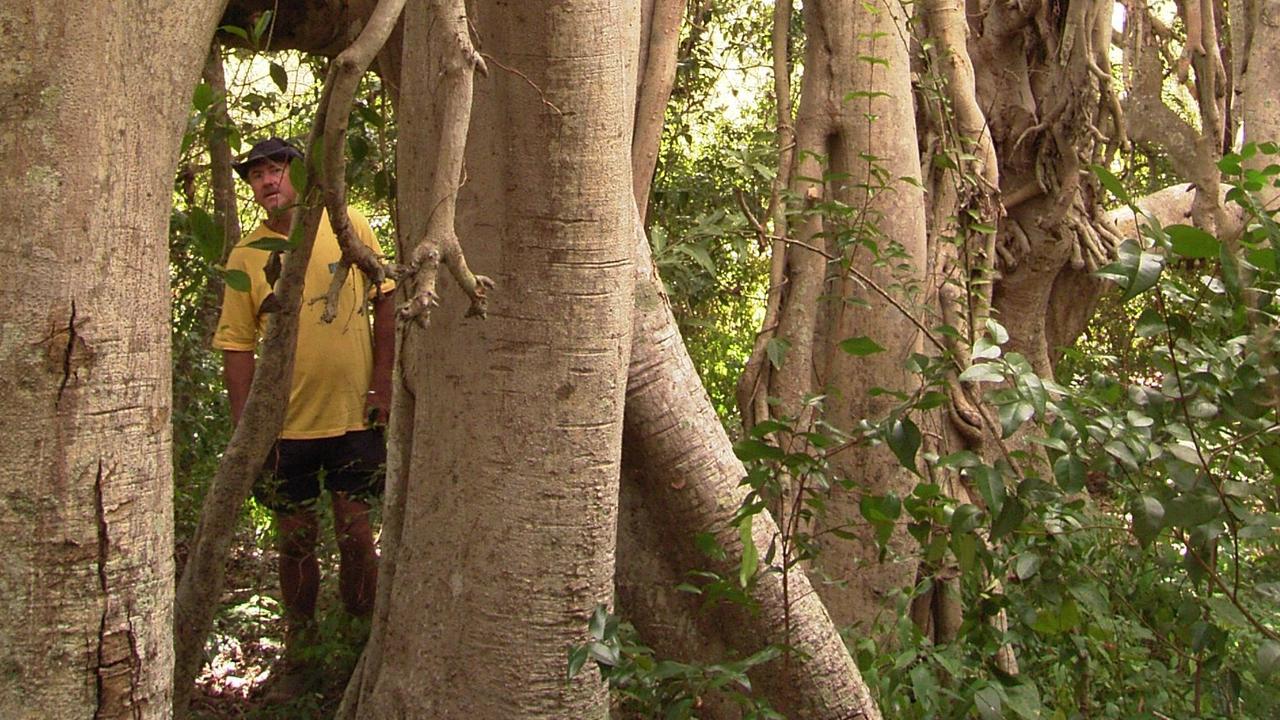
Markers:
<point>510,485</point>
<point>88,154</point>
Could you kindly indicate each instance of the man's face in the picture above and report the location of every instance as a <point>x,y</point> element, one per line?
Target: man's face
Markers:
<point>269,180</point>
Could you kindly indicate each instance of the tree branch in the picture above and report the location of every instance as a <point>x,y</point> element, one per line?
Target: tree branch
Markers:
<point>344,78</point>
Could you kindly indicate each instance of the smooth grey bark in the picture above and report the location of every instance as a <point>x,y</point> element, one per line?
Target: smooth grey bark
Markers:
<point>88,153</point>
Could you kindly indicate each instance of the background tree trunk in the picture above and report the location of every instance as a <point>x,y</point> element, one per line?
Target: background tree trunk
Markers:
<point>88,152</point>
<point>835,134</point>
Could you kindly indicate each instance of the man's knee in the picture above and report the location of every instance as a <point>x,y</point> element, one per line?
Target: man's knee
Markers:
<point>297,534</point>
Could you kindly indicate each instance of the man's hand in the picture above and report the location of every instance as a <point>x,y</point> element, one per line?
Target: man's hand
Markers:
<point>377,405</point>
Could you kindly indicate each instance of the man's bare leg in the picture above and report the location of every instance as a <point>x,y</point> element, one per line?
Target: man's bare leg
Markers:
<point>358,568</point>
<point>299,569</point>
<point>299,589</point>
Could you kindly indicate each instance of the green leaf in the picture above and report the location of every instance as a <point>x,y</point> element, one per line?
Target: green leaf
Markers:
<point>1069,471</point>
<point>1135,269</point>
<point>880,508</point>
<point>577,658</point>
<point>998,331</point>
<point>1023,700</point>
<point>1230,271</point>
<point>1026,565</point>
<point>279,76</point>
<point>1122,453</point>
<point>235,30</point>
<point>298,176</point>
<point>966,518</point>
<point>985,349</point>
<point>261,26</point>
<point>1190,510</point>
<point>1111,183</point>
<point>776,350</point>
<point>764,428</point>
<point>604,653</point>
<point>271,244</point>
<point>750,556</point>
<point>699,255</point>
<point>982,372</point>
<point>752,449</point>
<point>1013,415</point>
<point>990,486</point>
<point>202,98</point>
<point>989,703</point>
<point>1263,259</point>
<point>861,345</point>
<point>1226,611</point>
<point>1148,272</point>
<point>1150,323</point>
<point>235,279</point>
<point>965,548</point>
<point>1010,517</point>
<point>598,622</point>
<point>904,440</point>
<point>1192,242</point>
<point>1148,518</point>
<point>959,459</point>
<point>206,236</point>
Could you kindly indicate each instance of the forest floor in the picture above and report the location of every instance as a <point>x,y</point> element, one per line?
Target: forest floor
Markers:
<point>248,639</point>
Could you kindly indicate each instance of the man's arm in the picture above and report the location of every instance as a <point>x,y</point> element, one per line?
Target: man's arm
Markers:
<point>384,350</point>
<point>237,372</point>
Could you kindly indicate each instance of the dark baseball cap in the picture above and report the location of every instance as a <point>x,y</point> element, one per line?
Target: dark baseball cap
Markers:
<point>273,148</point>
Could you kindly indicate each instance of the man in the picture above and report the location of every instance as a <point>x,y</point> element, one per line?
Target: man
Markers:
<point>340,395</point>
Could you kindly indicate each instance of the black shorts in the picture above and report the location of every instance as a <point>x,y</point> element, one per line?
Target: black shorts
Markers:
<point>297,470</point>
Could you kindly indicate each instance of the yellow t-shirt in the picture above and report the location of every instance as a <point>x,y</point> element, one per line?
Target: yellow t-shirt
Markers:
<point>333,361</point>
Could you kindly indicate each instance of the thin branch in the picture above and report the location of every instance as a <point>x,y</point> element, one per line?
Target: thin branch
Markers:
<point>1212,572</point>
<point>541,95</point>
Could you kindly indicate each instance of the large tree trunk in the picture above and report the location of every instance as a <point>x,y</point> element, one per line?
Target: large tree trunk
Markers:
<point>510,497</point>
<point>88,151</point>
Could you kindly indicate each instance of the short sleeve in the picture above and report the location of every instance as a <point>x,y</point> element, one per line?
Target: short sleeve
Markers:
<point>238,322</point>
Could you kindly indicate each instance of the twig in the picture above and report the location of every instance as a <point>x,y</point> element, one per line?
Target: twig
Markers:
<point>1217,580</point>
<point>542,95</point>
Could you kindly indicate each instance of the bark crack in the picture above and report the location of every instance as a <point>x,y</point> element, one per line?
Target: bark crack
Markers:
<point>109,655</point>
<point>66,357</point>
<point>104,546</point>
